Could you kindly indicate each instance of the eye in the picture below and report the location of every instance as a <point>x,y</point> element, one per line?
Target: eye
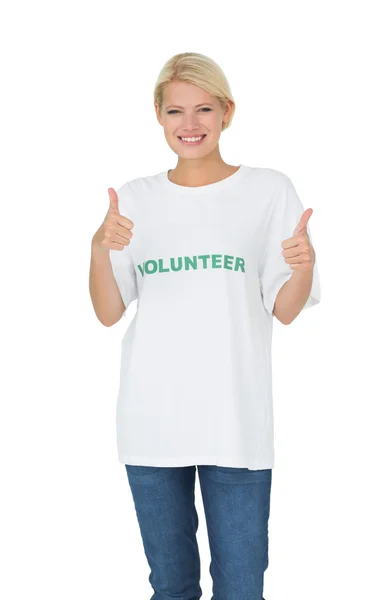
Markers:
<point>172,112</point>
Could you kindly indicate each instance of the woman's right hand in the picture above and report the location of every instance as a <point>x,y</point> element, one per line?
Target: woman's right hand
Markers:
<point>115,232</point>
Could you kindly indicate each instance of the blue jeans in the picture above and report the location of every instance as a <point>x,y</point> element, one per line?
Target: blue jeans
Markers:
<point>236,503</point>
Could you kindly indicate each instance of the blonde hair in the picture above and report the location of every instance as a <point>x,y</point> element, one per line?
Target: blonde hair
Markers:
<point>200,70</point>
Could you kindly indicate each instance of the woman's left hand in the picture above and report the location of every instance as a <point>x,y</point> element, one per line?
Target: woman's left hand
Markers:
<point>298,251</point>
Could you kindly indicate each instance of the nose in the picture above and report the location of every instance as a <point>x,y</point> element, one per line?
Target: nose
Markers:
<point>190,122</point>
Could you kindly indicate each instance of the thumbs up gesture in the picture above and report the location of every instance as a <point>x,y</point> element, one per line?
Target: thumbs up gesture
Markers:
<point>115,232</point>
<point>298,251</point>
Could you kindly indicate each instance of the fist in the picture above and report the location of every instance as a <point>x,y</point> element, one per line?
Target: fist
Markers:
<point>115,232</point>
<point>298,251</point>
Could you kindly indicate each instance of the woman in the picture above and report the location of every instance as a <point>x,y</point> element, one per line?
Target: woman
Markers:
<point>211,251</point>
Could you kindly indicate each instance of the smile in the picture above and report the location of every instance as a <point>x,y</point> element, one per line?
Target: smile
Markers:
<point>192,140</point>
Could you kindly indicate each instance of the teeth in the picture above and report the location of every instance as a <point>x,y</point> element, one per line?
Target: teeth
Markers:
<point>195,139</point>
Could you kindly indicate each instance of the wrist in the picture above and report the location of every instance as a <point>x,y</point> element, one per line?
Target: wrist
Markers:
<point>96,245</point>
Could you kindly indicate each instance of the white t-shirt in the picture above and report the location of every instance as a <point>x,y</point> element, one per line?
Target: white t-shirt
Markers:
<point>205,264</point>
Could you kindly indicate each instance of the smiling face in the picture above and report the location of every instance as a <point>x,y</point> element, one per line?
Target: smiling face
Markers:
<point>188,111</point>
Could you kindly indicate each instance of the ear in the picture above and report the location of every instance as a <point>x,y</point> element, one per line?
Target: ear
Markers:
<point>158,113</point>
<point>227,111</point>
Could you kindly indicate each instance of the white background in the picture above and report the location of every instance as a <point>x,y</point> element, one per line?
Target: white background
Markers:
<point>77,117</point>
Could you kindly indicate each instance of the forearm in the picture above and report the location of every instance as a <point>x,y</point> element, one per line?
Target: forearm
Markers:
<point>106,299</point>
<point>292,296</point>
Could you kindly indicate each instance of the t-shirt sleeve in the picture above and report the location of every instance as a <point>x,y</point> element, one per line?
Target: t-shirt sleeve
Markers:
<point>121,260</point>
<point>274,271</point>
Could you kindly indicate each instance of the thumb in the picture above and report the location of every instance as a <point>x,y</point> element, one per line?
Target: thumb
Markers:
<point>114,202</point>
<point>301,226</point>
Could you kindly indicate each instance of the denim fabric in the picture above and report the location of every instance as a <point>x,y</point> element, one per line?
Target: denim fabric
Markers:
<point>236,503</point>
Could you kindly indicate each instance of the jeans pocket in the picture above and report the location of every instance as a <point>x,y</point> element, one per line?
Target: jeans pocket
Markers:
<point>232,469</point>
<point>141,470</point>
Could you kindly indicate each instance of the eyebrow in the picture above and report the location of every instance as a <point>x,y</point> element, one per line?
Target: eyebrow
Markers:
<point>203,104</point>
